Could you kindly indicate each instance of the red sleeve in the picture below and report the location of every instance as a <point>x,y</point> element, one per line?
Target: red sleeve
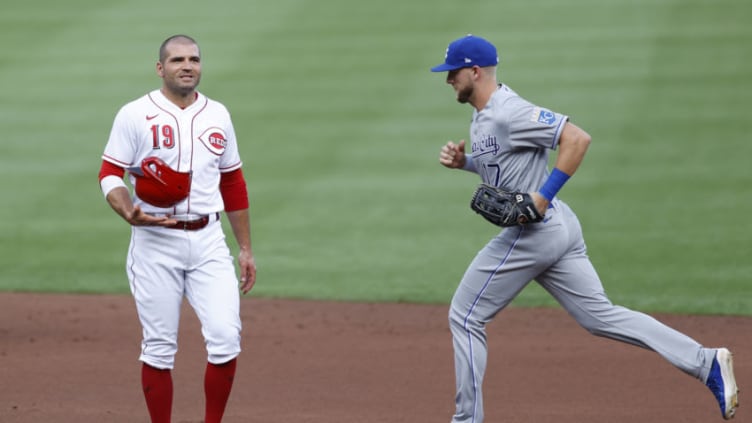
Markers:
<point>233,190</point>
<point>108,169</point>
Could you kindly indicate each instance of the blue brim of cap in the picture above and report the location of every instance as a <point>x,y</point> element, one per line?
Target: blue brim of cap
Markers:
<point>135,170</point>
<point>444,67</point>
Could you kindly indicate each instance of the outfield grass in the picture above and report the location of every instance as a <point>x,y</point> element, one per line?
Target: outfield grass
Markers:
<point>340,123</point>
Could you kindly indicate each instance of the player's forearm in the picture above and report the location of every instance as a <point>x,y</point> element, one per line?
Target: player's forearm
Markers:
<point>120,200</point>
<point>573,145</point>
<point>240,223</point>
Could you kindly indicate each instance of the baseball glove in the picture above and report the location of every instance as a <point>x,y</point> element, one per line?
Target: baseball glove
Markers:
<point>504,208</point>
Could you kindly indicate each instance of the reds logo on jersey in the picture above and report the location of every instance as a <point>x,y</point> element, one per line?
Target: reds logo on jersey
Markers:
<point>215,140</point>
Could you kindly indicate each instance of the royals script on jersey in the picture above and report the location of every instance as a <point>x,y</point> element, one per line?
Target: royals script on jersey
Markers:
<point>198,139</point>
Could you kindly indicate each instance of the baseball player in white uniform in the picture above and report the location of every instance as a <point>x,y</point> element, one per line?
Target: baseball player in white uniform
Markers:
<point>177,248</point>
<point>510,141</point>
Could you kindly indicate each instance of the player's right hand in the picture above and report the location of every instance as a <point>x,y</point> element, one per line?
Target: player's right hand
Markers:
<point>453,155</point>
<point>137,217</point>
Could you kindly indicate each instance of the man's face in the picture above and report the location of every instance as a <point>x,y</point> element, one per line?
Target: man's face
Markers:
<point>181,68</point>
<point>462,82</point>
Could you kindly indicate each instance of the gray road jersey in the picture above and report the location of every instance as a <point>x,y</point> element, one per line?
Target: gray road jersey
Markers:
<point>511,139</point>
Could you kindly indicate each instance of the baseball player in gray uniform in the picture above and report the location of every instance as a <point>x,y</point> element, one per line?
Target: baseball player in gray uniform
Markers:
<point>510,142</point>
<point>180,150</point>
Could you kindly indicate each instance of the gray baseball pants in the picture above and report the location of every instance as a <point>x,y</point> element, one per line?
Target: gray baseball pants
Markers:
<point>552,253</point>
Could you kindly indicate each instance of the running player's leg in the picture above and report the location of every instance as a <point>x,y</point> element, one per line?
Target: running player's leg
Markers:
<point>496,275</point>
<point>576,286</point>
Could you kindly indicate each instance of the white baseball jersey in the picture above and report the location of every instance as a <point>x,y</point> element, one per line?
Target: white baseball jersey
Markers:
<point>200,139</point>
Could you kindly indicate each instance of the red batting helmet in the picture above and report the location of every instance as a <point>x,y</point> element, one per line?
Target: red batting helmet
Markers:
<point>158,184</point>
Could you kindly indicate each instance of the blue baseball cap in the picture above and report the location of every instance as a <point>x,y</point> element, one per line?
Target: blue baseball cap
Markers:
<point>467,52</point>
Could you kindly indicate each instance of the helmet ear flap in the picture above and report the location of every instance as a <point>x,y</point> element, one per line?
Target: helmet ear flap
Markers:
<point>151,168</point>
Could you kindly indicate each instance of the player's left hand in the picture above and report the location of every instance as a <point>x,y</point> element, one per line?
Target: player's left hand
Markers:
<point>505,208</point>
<point>247,264</point>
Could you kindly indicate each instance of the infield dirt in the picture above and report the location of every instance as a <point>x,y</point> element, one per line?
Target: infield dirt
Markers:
<point>73,358</point>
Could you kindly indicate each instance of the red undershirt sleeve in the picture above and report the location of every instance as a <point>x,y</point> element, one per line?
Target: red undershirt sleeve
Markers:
<point>233,189</point>
<point>109,169</point>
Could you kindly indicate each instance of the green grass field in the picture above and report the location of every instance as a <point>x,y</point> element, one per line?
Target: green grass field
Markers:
<point>340,123</point>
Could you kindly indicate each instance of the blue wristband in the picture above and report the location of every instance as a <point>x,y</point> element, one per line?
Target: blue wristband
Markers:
<point>553,184</point>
